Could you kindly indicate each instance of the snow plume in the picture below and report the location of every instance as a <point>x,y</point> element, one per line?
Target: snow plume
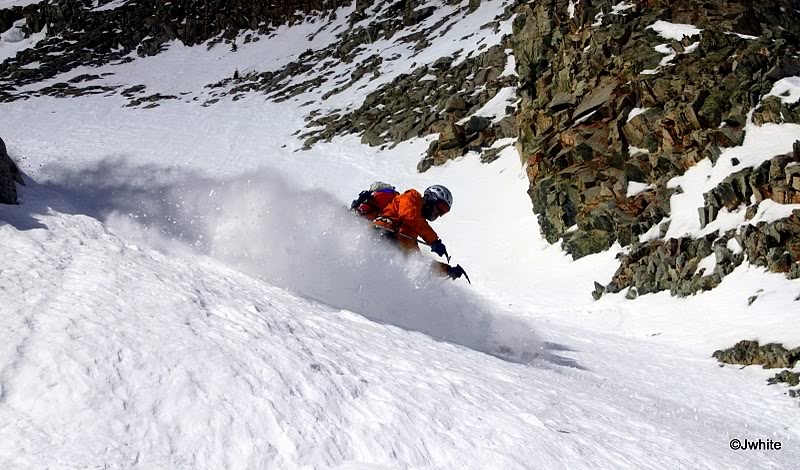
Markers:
<point>301,240</point>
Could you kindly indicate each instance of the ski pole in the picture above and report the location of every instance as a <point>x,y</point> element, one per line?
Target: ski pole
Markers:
<point>422,242</point>
<point>411,238</point>
<point>418,240</point>
<point>465,274</point>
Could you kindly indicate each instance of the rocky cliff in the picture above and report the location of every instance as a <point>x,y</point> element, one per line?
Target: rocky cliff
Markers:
<point>10,176</point>
<point>609,103</point>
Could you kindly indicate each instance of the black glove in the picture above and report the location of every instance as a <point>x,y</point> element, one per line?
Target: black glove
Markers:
<point>439,248</point>
<point>363,197</point>
<point>388,234</point>
<point>455,272</point>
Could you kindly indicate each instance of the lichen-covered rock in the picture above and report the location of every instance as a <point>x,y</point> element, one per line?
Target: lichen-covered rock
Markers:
<point>770,356</point>
<point>581,242</point>
<point>477,124</point>
<point>430,100</point>
<point>786,376</point>
<point>581,76</point>
<point>774,179</point>
<point>774,245</point>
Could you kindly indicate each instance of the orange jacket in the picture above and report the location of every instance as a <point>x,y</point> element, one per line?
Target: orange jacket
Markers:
<point>404,215</point>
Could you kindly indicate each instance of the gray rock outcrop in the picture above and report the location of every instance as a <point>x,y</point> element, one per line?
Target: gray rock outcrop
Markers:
<point>581,78</point>
<point>10,176</point>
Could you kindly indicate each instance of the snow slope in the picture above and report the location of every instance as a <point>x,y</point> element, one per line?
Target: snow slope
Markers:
<point>182,288</point>
<point>119,355</point>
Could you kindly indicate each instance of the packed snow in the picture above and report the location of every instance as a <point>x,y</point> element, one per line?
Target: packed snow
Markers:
<point>14,40</point>
<point>184,288</point>
<point>788,89</point>
<point>635,188</point>
<point>761,143</point>
<point>674,31</point>
<point>110,5</point>
<point>619,8</point>
<point>16,3</point>
<point>635,112</point>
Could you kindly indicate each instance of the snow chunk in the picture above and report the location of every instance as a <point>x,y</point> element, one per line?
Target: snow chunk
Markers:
<point>620,7</point>
<point>585,118</point>
<point>634,188</point>
<point>674,30</point>
<point>664,49</point>
<point>770,211</point>
<point>14,41</point>
<point>709,263</point>
<point>788,89</point>
<point>692,47</point>
<point>111,6</point>
<point>653,233</point>
<point>511,65</point>
<point>734,246</point>
<point>635,112</point>
<point>496,107</point>
<point>671,53</point>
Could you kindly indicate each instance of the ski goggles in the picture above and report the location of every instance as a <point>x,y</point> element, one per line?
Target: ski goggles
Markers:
<point>441,208</point>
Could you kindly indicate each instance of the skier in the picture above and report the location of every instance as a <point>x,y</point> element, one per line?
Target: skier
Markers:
<point>406,217</point>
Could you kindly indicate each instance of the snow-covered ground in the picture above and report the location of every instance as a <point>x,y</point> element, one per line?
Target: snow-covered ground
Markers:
<point>14,40</point>
<point>182,288</point>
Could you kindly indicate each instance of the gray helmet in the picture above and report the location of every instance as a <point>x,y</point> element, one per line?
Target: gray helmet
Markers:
<point>438,193</point>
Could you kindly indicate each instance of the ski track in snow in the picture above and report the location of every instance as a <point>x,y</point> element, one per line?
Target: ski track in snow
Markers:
<point>175,296</point>
<point>118,355</point>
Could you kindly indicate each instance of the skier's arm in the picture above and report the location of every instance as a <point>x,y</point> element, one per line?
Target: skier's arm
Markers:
<point>413,222</point>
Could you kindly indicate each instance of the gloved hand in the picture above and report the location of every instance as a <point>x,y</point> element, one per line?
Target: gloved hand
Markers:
<point>455,272</point>
<point>363,197</point>
<point>439,248</point>
<point>388,235</point>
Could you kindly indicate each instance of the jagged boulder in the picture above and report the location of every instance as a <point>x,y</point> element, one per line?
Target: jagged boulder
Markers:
<point>10,176</point>
<point>582,243</point>
<point>770,356</point>
<point>477,124</point>
<point>786,376</point>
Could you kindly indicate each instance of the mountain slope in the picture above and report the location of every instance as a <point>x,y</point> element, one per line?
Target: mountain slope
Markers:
<point>182,287</point>
<point>117,355</point>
